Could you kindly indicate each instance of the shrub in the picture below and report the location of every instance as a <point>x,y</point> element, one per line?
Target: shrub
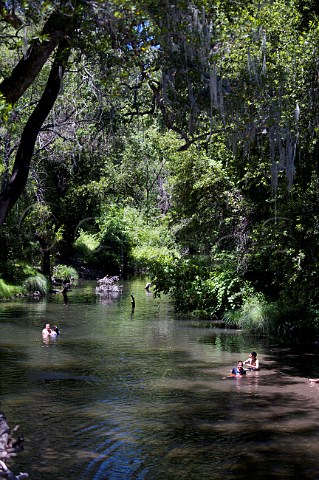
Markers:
<point>197,283</point>
<point>254,315</point>
<point>126,240</point>
<point>86,245</point>
<point>8,291</point>
<point>64,273</point>
<point>37,283</point>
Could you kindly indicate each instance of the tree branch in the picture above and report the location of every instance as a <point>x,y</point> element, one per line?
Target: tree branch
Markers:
<point>166,117</point>
<point>57,27</point>
<point>10,195</point>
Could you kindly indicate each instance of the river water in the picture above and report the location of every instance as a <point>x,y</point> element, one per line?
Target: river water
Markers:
<point>146,395</point>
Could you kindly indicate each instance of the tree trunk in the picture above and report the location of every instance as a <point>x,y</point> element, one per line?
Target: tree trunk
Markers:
<point>10,195</point>
<point>26,71</point>
<point>56,33</point>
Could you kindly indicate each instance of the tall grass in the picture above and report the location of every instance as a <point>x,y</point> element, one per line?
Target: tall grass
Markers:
<point>256,315</point>
<point>36,283</point>
<point>9,291</point>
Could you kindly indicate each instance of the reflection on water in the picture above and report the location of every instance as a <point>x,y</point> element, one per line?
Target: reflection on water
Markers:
<point>121,396</point>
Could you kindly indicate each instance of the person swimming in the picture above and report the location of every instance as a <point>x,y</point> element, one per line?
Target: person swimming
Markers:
<point>49,332</point>
<point>252,363</point>
<point>55,330</point>
<point>46,332</point>
<point>239,370</point>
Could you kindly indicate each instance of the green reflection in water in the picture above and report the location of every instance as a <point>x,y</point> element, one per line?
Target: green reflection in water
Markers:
<point>144,395</point>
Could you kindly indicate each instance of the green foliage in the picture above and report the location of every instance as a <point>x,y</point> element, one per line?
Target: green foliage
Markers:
<point>38,219</point>
<point>114,250</point>
<point>109,247</point>
<point>127,241</point>
<point>85,246</point>
<point>150,239</point>
<point>37,283</point>
<point>207,205</point>
<point>236,84</point>
<point>65,273</point>
<point>144,257</point>
<point>141,165</point>
<point>19,271</point>
<point>256,315</point>
<point>283,320</point>
<point>20,255</point>
<point>5,109</point>
<point>9,291</point>
<point>197,283</point>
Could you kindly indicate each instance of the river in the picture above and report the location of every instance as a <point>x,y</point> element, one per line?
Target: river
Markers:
<point>145,395</point>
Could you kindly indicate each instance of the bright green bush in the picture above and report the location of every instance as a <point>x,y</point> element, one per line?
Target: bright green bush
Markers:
<point>37,283</point>
<point>255,315</point>
<point>9,291</point>
<point>65,273</point>
<point>143,256</point>
<point>86,245</point>
<point>198,284</point>
<point>127,240</point>
<point>151,239</point>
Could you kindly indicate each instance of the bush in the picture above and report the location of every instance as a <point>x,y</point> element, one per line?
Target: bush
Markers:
<point>37,283</point>
<point>64,273</point>
<point>8,291</point>
<point>280,319</point>
<point>127,241</point>
<point>197,283</point>
<point>143,256</point>
<point>85,246</point>
<point>255,315</point>
<point>150,239</point>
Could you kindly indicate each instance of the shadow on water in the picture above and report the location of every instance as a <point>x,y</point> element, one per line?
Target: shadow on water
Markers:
<point>122,396</point>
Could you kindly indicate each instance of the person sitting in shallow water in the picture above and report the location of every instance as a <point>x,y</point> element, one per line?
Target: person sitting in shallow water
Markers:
<point>239,370</point>
<point>252,363</point>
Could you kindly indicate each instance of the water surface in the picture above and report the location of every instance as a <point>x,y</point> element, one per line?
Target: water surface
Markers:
<point>146,395</point>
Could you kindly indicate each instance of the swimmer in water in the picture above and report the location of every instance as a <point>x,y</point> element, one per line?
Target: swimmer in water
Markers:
<point>239,370</point>
<point>252,363</point>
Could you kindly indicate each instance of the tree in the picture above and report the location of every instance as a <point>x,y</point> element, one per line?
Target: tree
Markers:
<point>103,32</point>
<point>56,33</point>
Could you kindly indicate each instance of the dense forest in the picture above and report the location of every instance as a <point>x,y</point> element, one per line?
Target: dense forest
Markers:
<point>173,140</point>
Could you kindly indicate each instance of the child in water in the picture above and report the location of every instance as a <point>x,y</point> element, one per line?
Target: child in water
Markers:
<point>239,370</point>
<point>50,332</point>
<point>252,362</point>
<point>56,330</point>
